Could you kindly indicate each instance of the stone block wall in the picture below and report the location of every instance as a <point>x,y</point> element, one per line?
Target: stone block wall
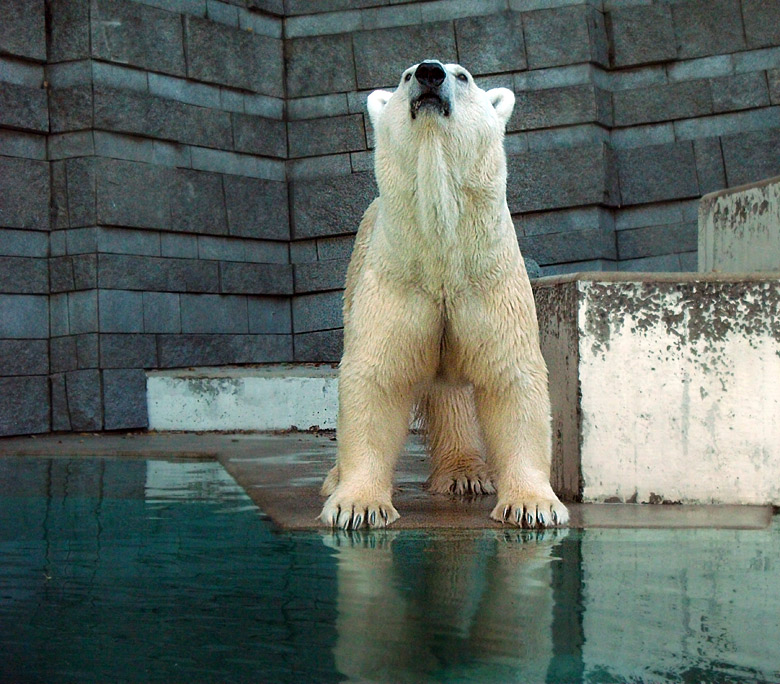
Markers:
<point>24,221</point>
<point>627,112</point>
<point>181,180</point>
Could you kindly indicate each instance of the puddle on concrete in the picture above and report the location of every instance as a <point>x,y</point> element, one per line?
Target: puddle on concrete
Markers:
<point>155,571</point>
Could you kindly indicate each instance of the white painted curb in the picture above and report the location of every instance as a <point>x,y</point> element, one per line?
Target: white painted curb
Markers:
<point>273,397</point>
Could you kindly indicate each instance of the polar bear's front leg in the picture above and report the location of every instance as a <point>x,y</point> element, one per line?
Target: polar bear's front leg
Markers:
<point>515,419</point>
<point>390,346</point>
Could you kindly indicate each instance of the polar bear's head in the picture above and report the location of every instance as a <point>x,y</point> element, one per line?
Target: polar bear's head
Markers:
<point>432,96</point>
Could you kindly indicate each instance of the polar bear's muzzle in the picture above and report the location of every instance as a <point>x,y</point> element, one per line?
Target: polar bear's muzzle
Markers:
<point>430,90</point>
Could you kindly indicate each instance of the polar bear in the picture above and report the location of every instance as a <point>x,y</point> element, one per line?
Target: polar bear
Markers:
<point>439,313</point>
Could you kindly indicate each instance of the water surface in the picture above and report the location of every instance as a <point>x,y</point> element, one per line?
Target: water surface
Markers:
<point>154,571</point>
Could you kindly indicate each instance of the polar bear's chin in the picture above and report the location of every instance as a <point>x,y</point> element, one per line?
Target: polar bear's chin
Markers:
<point>429,103</point>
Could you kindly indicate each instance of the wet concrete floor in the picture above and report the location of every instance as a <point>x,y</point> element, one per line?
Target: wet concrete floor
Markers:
<point>282,475</point>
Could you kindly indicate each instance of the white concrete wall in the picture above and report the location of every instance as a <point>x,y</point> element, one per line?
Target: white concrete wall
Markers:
<point>739,229</point>
<point>680,391</point>
<point>274,397</point>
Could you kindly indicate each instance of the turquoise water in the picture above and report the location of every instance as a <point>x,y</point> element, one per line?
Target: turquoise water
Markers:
<point>160,572</point>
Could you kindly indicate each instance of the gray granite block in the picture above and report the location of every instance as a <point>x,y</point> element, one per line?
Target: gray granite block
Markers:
<point>709,165</point>
<point>255,279</point>
<point>330,206</point>
<point>132,33</point>
<point>564,220</point>
<point>213,314</point>
<point>751,157</point>
<point>24,193</point>
<point>24,108</point>
<point>565,35</point>
<point>762,22</point>
<point>269,315</point>
<point>657,173</point>
<point>122,77</point>
<point>120,311</point>
<point>331,135</point>
<point>24,145</point>
<point>85,399</point>
<point>24,275</point>
<point>124,399</point>
<point>60,417</point>
<point>334,248</point>
<point>58,315</point>
<point>561,177</point>
<point>556,248</point>
<point>88,350</point>
<point>560,107</point>
<point>382,55</point>
<point>708,28</point>
<point>259,135</point>
<point>741,91</point>
<point>682,100</point>
<point>23,29</point>
<point>319,347</point>
<point>61,274</point>
<point>24,357</point>
<point>666,263</point>
<point>642,35</point>
<point>657,240</point>
<point>24,405</point>
<point>773,78</point>
<point>70,109</point>
<point>133,194</point>
<point>64,356</point>
<point>197,202</point>
<point>230,56</point>
<point>319,65</point>
<point>179,246</point>
<point>24,316</point>
<point>81,183</point>
<point>83,312</point>
<point>257,208</point>
<point>215,350</point>
<point>491,44</point>
<point>321,275</point>
<point>319,311</point>
<point>84,271</point>
<point>127,241</point>
<point>162,312</point>
<point>303,251</point>
<point>68,30</point>
<point>123,272</point>
<point>128,351</point>
<point>128,111</point>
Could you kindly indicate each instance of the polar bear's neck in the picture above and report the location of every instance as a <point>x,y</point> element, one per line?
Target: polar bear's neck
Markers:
<point>437,189</point>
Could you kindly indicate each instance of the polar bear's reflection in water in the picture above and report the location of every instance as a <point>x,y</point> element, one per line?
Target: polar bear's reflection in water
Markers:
<point>411,606</point>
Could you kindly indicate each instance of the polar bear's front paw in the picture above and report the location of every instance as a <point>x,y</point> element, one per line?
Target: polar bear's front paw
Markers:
<point>531,512</point>
<point>471,480</point>
<point>353,512</point>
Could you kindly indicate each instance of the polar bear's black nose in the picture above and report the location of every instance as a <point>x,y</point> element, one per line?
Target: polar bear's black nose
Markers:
<point>430,74</point>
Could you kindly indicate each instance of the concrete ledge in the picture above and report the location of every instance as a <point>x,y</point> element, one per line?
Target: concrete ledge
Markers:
<point>263,398</point>
<point>739,228</point>
<point>282,475</point>
<point>664,388</point>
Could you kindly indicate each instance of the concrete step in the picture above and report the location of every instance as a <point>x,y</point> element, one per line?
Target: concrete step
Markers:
<point>664,387</point>
<point>262,398</point>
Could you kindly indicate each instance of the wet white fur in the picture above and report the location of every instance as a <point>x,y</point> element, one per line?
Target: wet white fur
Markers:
<point>439,313</point>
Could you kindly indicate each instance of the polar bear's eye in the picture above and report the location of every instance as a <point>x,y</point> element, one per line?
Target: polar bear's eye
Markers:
<point>408,76</point>
<point>462,77</point>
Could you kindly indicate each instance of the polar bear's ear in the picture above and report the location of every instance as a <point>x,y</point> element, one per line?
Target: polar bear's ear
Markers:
<point>503,101</point>
<point>376,103</point>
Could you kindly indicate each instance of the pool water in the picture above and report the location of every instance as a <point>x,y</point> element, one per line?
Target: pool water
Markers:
<point>165,571</point>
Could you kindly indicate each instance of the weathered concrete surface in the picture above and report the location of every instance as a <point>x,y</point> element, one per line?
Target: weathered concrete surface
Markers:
<point>273,397</point>
<point>739,229</point>
<point>282,475</point>
<point>665,388</point>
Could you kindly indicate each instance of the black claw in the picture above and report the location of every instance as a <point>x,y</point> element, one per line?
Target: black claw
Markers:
<point>383,513</point>
<point>518,515</point>
<point>555,518</point>
<point>372,518</point>
<point>529,519</point>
